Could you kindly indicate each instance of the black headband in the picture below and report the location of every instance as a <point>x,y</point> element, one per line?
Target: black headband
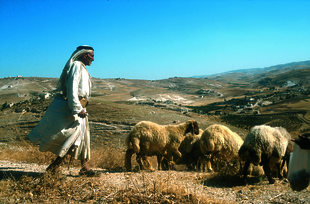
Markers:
<point>85,47</point>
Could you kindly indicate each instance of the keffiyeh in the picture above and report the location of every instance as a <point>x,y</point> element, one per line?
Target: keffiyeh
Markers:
<point>61,85</point>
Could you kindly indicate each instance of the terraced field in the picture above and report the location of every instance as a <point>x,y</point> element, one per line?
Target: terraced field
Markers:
<point>293,122</point>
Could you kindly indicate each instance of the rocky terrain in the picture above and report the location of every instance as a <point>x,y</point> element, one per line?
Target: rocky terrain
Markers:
<point>194,187</point>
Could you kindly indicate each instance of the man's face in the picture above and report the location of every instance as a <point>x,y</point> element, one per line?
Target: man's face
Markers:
<point>89,58</point>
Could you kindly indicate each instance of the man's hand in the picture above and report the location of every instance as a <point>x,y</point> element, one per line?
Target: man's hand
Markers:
<point>82,114</point>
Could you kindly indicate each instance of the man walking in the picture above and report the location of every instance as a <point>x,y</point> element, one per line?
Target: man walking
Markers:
<point>64,127</point>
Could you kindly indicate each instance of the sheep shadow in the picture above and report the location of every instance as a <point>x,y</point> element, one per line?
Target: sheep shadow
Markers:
<point>229,181</point>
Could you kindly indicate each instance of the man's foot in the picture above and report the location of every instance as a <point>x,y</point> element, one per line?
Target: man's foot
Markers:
<point>85,169</point>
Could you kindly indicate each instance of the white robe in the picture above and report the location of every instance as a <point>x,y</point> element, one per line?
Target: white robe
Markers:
<point>60,127</point>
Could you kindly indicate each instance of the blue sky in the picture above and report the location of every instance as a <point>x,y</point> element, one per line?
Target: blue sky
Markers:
<point>152,39</point>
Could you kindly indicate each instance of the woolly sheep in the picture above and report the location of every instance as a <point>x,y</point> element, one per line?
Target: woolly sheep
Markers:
<point>191,153</point>
<point>148,138</point>
<point>267,146</point>
<point>220,142</point>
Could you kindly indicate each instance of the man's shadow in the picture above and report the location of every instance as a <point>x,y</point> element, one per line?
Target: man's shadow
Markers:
<point>7,172</point>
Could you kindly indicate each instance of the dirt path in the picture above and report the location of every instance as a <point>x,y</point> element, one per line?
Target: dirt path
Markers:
<point>185,182</point>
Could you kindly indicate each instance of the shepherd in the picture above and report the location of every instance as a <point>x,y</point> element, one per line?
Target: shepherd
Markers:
<point>64,127</point>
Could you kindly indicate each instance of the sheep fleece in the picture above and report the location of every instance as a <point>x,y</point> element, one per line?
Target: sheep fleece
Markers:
<point>154,137</point>
<point>271,141</point>
<point>219,138</point>
<point>189,141</point>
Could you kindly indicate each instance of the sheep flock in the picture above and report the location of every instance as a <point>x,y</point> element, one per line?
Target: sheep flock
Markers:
<point>265,146</point>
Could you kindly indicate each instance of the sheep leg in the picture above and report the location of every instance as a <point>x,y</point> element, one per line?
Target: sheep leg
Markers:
<point>245,171</point>
<point>192,163</point>
<point>164,164</point>
<point>287,159</point>
<point>265,162</point>
<point>159,160</point>
<point>284,162</point>
<point>206,164</point>
<point>280,168</point>
<point>198,164</point>
<point>166,161</point>
<point>208,161</point>
<point>190,166</point>
<point>129,153</point>
<point>146,163</point>
<point>169,157</point>
<point>209,166</point>
<point>203,165</point>
<point>240,167</point>
<point>139,161</point>
<point>266,168</point>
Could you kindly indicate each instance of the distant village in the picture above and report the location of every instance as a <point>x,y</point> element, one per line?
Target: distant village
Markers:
<point>249,103</point>
<point>252,101</point>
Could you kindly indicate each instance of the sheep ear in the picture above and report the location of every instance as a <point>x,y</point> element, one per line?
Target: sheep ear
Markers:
<point>193,128</point>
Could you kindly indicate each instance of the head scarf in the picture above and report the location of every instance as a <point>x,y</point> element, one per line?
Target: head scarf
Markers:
<point>61,85</point>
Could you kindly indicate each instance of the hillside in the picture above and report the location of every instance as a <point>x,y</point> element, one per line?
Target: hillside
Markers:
<point>279,90</point>
<point>254,75</point>
<point>236,100</point>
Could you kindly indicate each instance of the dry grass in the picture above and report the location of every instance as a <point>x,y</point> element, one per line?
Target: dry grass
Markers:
<point>141,187</point>
<point>25,152</point>
<point>61,189</point>
<point>113,185</point>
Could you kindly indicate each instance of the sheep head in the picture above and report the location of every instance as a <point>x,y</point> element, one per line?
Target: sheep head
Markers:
<point>255,156</point>
<point>187,144</point>
<point>246,153</point>
<point>192,127</point>
<point>206,147</point>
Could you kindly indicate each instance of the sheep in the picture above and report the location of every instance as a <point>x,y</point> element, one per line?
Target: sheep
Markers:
<point>191,153</point>
<point>148,138</point>
<point>221,143</point>
<point>267,146</point>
